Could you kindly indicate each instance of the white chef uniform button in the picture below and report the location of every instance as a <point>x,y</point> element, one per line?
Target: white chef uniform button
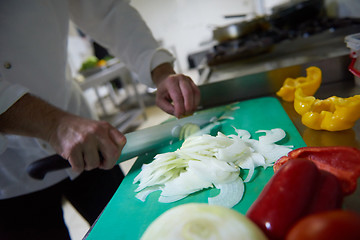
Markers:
<point>7,65</point>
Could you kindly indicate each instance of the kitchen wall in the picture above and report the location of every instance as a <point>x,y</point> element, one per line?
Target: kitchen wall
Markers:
<point>185,26</point>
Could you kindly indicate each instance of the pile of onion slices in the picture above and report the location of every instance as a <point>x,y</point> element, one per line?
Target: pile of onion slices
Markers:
<point>210,161</point>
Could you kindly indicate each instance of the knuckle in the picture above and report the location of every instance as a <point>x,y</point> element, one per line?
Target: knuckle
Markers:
<point>90,167</point>
<point>108,164</point>
<point>85,138</point>
<point>123,141</point>
<point>76,166</point>
<point>113,155</point>
<point>104,124</point>
<point>178,98</point>
<point>94,129</point>
<point>172,76</point>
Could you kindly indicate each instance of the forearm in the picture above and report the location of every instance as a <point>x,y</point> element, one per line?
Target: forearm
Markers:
<point>161,72</point>
<point>75,138</point>
<point>30,116</point>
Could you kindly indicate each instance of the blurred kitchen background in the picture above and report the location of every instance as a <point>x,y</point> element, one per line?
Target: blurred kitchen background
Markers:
<point>214,41</point>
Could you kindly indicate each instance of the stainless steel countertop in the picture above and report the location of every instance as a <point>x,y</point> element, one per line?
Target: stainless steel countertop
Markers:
<point>322,46</point>
<point>350,137</point>
<point>264,75</point>
<point>339,82</point>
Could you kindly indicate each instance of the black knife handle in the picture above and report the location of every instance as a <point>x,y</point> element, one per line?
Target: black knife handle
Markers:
<point>40,168</point>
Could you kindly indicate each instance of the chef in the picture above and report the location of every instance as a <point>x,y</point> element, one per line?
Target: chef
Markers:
<point>42,110</point>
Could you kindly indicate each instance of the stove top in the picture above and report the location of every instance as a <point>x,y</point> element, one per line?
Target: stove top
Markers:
<point>262,42</point>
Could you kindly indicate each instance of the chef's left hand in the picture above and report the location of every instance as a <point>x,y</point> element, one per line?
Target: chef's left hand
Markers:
<point>176,94</point>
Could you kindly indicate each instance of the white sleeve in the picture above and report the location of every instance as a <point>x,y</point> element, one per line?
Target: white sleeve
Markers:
<point>9,94</point>
<point>117,26</point>
<point>161,56</point>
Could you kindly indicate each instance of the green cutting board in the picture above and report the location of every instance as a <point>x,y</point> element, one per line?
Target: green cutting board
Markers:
<point>126,217</point>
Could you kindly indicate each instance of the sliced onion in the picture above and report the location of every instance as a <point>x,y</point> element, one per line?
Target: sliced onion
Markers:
<point>226,118</point>
<point>250,173</point>
<point>243,134</point>
<point>187,130</point>
<point>214,171</point>
<point>188,182</point>
<point>170,199</point>
<point>145,193</point>
<point>230,193</point>
<point>271,152</point>
<point>206,161</point>
<point>272,136</point>
<point>233,152</point>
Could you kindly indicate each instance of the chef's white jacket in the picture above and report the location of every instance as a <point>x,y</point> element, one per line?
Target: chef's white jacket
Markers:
<point>33,44</point>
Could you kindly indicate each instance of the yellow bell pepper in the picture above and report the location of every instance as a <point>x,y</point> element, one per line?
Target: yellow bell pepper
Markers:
<point>309,84</point>
<point>332,114</point>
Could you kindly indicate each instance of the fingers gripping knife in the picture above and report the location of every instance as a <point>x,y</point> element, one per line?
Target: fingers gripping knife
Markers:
<point>138,142</point>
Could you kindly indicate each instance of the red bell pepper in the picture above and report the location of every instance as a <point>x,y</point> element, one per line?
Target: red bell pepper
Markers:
<point>297,189</point>
<point>343,162</point>
<point>328,194</point>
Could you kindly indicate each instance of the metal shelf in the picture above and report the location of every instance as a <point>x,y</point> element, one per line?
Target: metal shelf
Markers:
<point>121,119</point>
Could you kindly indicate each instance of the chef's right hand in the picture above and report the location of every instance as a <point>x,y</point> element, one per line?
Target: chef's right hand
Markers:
<point>87,144</point>
<point>77,139</point>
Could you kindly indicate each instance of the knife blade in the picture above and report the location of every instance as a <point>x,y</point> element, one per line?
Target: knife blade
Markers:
<point>138,142</point>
